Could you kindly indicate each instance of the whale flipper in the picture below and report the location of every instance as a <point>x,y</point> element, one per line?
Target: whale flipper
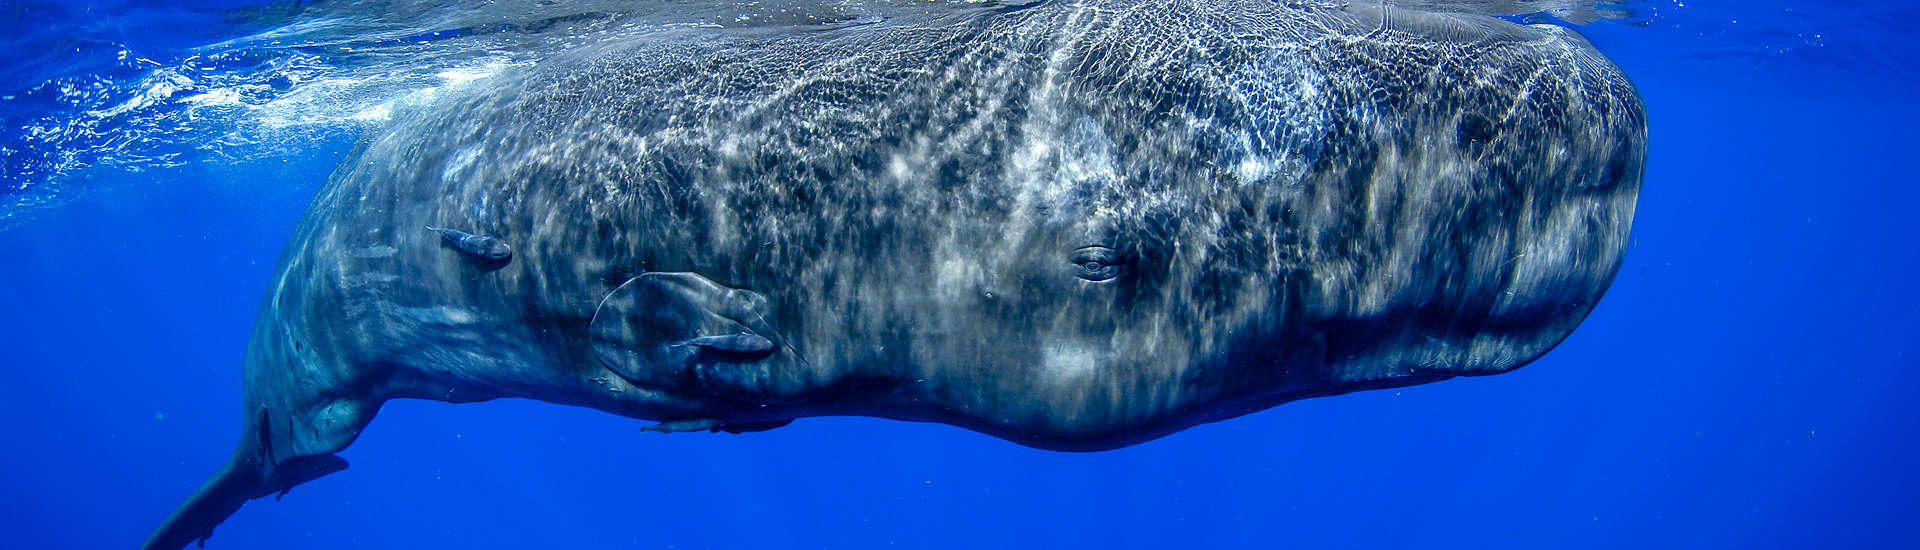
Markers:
<point>482,248</point>
<point>674,329</point>
<point>301,469</point>
<point>677,426</point>
<point>711,425</point>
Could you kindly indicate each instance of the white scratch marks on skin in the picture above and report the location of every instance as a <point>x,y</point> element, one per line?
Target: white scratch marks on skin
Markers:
<point>357,280</point>
<point>380,251</point>
<point>437,316</point>
<point>1067,361</point>
<point>456,168</point>
<point>958,277</point>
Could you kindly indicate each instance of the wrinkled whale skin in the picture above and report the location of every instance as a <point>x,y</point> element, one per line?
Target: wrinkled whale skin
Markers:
<point>894,219</point>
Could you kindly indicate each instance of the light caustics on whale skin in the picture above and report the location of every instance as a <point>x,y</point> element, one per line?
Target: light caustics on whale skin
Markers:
<point>273,80</point>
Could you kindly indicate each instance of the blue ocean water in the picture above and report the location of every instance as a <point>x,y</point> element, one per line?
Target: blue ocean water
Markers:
<point>1743,384</point>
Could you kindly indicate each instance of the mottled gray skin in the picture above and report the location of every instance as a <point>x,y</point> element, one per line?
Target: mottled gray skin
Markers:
<point>1075,226</point>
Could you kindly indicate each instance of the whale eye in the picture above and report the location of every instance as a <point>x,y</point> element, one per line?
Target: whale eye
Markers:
<point>1097,263</point>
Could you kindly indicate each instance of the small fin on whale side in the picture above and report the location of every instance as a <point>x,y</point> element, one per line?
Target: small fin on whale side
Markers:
<point>481,248</point>
<point>676,426</point>
<point>744,427</point>
<point>655,328</point>
<point>711,425</point>
<point>301,469</point>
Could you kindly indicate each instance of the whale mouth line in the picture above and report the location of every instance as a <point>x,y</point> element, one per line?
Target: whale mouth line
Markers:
<point>743,344</point>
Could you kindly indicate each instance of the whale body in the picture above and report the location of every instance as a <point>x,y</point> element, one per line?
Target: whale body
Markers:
<point>1071,225</point>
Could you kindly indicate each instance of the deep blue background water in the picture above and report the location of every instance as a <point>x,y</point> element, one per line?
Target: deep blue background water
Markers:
<point>1743,385</point>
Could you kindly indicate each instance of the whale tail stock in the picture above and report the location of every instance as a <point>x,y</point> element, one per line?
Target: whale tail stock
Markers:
<point>252,472</point>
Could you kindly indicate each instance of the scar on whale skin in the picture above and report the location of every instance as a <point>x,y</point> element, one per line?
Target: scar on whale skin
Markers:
<point>482,248</point>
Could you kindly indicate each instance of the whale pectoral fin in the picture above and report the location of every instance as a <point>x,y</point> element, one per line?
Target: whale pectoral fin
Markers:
<point>301,469</point>
<point>654,328</point>
<point>677,426</point>
<point>711,425</point>
<point>744,427</point>
<point>482,251</point>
